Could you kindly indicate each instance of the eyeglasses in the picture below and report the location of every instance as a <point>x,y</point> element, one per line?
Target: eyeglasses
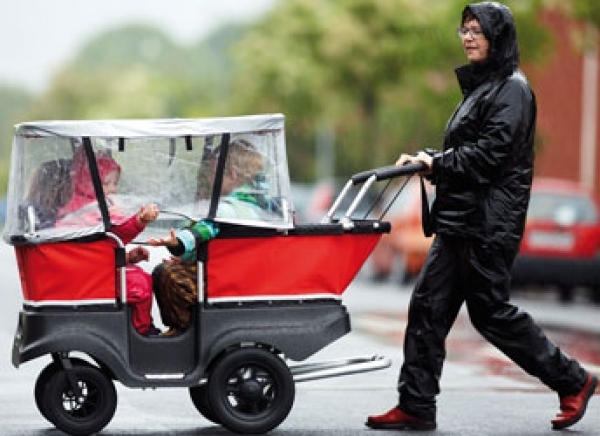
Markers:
<point>464,31</point>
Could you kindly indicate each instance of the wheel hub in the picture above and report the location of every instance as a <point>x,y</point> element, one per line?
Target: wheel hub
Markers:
<point>250,390</point>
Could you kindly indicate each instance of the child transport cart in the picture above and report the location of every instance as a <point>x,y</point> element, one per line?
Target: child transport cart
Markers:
<point>270,291</point>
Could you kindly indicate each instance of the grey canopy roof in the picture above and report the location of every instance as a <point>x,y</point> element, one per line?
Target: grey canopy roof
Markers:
<point>137,128</point>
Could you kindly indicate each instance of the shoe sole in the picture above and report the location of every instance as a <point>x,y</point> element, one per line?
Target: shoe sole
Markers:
<point>588,394</point>
<point>419,426</point>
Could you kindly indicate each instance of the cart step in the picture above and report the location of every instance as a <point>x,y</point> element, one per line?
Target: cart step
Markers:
<point>335,368</point>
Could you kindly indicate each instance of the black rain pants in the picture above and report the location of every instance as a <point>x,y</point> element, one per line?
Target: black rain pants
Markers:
<point>460,270</point>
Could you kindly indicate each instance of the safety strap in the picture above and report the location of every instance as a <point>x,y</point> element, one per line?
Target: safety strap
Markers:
<point>96,181</point>
<point>218,181</point>
<point>425,213</point>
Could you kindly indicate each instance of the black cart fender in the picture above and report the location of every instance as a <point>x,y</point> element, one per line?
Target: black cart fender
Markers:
<point>298,331</point>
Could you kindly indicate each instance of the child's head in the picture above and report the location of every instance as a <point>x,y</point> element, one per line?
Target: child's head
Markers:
<point>110,174</point>
<point>244,163</point>
<point>109,171</point>
<point>50,187</point>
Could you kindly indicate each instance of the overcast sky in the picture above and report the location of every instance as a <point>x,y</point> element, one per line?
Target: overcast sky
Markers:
<point>37,36</point>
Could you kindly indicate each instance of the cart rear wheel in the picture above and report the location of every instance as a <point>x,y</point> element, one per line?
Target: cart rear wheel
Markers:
<point>85,414</point>
<point>250,390</point>
<point>199,396</point>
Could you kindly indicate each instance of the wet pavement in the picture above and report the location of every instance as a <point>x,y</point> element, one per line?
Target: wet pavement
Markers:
<point>575,328</point>
<point>466,346</point>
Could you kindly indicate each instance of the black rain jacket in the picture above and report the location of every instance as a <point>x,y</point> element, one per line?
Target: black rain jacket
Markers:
<point>483,175</point>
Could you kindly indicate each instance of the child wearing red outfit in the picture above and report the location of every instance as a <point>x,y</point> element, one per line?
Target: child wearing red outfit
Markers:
<point>81,209</point>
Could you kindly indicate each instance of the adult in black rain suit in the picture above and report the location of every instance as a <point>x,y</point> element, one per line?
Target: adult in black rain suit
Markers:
<point>483,178</point>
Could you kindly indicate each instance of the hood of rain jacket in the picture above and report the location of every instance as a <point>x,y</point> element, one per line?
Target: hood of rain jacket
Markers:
<point>483,175</point>
<point>83,188</point>
<point>498,26</point>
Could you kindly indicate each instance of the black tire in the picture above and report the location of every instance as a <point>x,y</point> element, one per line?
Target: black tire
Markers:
<point>251,390</point>
<point>42,382</point>
<point>199,396</point>
<point>566,294</point>
<point>40,386</point>
<point>80,416</point>
<point>595,295</point>
<point>407,279</point>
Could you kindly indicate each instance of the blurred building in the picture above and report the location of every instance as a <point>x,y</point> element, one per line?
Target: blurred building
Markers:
<point>566,85</point>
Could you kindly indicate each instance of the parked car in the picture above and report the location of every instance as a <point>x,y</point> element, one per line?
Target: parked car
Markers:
<point>402,252</point>
<point>561,244</point>
<point>560,247</point>
<point>301,194</point>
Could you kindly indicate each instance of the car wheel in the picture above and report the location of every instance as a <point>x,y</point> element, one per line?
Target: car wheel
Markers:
<point>566,294</point>
<point>407,279</point>
<point>87,413</point>
<point>199,396</point>
<point>251,390</point>
<point>594,294</point>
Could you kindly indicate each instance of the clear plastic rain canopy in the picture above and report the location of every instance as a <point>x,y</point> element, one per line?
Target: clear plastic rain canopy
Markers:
<point>73,179</point>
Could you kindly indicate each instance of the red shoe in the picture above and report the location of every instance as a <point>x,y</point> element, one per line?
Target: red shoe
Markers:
<point>572,407</point>
<point>396,419</point>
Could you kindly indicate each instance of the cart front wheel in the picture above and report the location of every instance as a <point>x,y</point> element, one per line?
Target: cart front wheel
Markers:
<point>84,412</point>
<point>42,382</point>
<point>40,387</point>
<point>251,390</point>
<point>199,396</point>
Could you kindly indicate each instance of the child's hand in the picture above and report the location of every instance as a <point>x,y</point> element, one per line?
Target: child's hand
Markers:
<point>147,214</point>
<point>169,241</point>
<point>172,260</point>
<point>138,254</point>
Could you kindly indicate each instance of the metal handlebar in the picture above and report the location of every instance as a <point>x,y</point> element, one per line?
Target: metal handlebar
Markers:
<point>367,178</point>
<point>389,172</point>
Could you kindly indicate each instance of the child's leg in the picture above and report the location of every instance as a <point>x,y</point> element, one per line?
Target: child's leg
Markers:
<point>139,296</point>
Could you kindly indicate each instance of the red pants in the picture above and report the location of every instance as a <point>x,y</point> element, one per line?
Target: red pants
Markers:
<point>139,297</point>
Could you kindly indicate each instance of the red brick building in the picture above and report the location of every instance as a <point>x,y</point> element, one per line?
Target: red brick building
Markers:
<point>567,89</point>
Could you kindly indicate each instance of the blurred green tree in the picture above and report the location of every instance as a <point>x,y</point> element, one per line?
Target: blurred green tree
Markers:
<point>588,12</point>
<point>130,72</point>
<point>15,102</point>
<point>585,10</point>
<point>379,72</point>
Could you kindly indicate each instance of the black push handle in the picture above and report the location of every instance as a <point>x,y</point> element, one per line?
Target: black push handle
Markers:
<point>388,172</point>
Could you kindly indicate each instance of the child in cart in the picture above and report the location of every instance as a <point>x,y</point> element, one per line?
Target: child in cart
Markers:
<point>79,209</point>
<point>175,280</point>
<point>49,190</point>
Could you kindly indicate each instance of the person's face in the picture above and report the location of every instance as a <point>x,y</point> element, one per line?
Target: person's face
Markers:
<point>229,182</point>
<point>110,184</point>
<point>474,42</point>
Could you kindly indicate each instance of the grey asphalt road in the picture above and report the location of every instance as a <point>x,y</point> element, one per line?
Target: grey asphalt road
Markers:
<point>482,393</point>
